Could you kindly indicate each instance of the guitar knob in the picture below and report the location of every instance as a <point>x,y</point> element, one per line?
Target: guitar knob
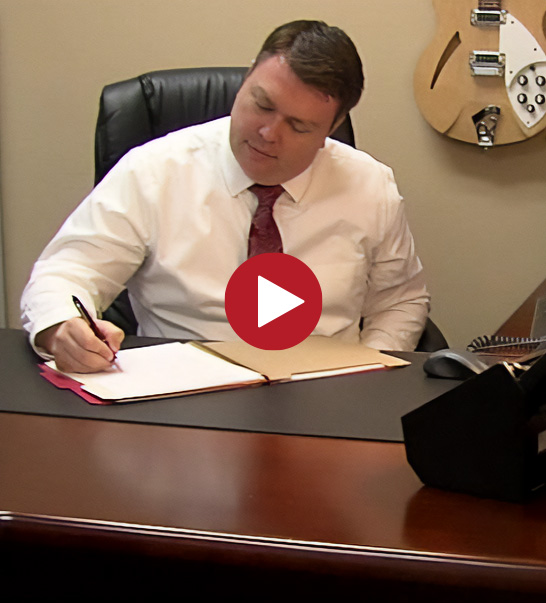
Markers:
<point>531,108</point>
<point>522,80</point>
<point>540,80</point>
<point>540,99</point>
<point>522,98</point>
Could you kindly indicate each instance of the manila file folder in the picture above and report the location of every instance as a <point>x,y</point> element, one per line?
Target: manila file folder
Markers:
<point>177,369</point>
<point>314,357</point>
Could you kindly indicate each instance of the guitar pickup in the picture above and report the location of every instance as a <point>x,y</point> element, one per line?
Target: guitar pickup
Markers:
<point>485,62</point>
<point>487,18</point>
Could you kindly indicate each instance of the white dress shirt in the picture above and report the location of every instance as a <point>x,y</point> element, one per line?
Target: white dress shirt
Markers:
<point>171,222</point>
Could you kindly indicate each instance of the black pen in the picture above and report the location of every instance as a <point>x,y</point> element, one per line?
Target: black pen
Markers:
<point>91,323</point>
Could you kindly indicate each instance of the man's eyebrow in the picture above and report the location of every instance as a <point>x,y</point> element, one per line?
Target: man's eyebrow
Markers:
<point>258,91</point>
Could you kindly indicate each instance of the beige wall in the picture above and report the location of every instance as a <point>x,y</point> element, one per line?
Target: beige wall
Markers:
<point>478,218</point>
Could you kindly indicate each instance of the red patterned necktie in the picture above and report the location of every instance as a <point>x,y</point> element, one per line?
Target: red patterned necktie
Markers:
<point>264,236</point>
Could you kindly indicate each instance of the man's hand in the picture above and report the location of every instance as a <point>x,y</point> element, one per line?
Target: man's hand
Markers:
<point>77,349</point>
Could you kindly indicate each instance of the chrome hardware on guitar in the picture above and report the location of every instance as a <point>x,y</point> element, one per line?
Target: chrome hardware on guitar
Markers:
<point>486,122</point>
<point>488,63</point>
<point>487,18</point>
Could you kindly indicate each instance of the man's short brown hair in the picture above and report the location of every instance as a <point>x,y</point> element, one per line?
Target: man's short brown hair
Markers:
<point>321,56</point>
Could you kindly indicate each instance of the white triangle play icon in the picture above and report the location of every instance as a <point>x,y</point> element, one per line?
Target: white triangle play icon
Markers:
<point>274,301</point>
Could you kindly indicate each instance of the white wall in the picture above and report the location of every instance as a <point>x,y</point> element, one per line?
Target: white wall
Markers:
<point>478,218</point>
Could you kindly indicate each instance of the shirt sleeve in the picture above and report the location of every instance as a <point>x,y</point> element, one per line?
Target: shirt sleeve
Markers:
<point>397,301</point>
<point>101,244</point>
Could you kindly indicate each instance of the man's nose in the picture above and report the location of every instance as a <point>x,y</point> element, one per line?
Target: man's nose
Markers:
<point>270,130</point>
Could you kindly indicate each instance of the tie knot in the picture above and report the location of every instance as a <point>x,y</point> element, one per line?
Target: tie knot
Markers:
<point>267,195</point>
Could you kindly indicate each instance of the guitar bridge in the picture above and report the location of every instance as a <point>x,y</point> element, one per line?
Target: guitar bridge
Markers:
<point>485,122</point>
<point>487,18</point>
<point>486,62</point>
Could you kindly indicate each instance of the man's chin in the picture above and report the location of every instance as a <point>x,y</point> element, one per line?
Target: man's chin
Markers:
<point>261,172</point>
<point>259,167</point>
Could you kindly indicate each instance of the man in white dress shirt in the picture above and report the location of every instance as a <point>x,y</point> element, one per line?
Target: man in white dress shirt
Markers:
<point>171,220</point>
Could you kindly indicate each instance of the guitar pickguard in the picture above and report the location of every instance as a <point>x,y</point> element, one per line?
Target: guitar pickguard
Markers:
<point>477,61</point>
<point>525,74</point>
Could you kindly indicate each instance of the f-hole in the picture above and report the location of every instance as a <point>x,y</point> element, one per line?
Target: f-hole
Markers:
<point>451,47</point>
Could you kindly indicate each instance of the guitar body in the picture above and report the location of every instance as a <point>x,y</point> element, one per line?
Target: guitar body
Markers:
<point>457,95</point>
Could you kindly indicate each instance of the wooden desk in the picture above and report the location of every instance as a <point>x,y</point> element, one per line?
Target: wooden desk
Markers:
<point>139,506</point>
<point>116,509</point>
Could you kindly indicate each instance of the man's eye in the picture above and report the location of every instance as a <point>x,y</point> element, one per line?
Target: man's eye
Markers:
<point>300,129</point>
<point>264,107</point>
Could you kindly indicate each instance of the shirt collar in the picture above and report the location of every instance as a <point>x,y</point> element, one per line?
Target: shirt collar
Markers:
<point>297,186</point>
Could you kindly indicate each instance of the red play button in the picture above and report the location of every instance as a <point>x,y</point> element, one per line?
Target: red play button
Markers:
<point>273,301</point>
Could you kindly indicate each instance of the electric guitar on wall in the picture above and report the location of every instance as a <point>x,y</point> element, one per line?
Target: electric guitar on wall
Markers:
<point>482,79</point>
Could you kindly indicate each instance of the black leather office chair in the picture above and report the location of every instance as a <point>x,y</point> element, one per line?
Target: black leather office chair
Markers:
<point>432,338</point>
<point>151,105</point>
<point>135,111</point>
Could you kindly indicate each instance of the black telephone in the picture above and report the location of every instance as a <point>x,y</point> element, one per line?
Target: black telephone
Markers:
<point>487,436</point>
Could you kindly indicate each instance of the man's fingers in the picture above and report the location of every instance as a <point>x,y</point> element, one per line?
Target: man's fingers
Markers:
<point>77,349</point>
<point>114,335</point>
